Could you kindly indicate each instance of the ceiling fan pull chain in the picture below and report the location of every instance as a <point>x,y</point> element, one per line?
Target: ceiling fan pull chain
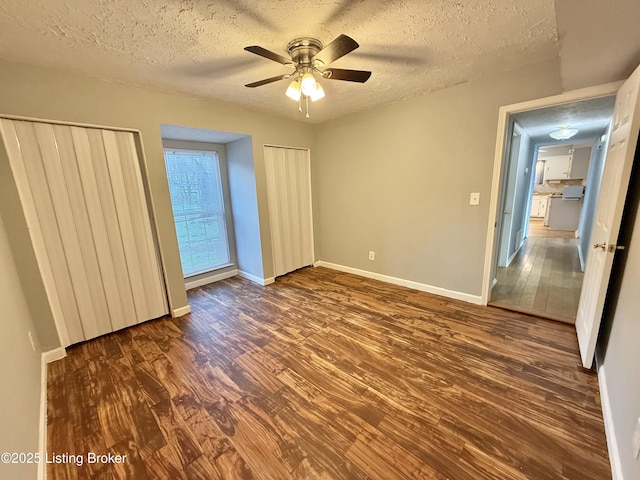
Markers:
<point>307,100</point>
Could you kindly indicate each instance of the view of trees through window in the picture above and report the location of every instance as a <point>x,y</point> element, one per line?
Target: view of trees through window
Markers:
<point>198,209</point>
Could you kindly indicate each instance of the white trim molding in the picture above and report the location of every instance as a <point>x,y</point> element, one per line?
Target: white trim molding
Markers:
<point>260,281</point>
<point>214,277</point>
<point>607,415</point>
<point>180,311</point>
<point>423,287</point>
<point>45,358</point>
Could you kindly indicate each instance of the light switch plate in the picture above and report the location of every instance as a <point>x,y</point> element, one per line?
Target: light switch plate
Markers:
<point>474,199</point>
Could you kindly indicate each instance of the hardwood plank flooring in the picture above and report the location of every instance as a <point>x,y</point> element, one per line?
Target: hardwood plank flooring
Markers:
<point>326,375</point>
<point>538,229</point>
<point>544,278</point>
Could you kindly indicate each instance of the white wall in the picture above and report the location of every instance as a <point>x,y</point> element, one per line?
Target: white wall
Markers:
<point>397,179</point>
<point>599,41</point>
<point>244,202</point>
<point>19,369</point>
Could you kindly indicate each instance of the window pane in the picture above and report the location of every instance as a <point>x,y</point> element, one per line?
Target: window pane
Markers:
<point>198,209</point>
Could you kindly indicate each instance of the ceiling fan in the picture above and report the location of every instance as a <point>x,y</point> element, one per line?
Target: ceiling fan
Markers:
<point>308,57</point>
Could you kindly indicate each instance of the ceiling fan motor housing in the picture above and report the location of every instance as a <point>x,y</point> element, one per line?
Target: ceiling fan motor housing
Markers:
<point>303,49</point>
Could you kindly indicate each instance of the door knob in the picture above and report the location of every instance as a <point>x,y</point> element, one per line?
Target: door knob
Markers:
<point>603,246</point>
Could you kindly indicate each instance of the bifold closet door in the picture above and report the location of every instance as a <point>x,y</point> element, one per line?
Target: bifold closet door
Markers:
<point>84,201</point>
<point>288,172</point>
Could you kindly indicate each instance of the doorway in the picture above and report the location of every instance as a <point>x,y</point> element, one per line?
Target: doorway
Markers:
<point>547,200</point>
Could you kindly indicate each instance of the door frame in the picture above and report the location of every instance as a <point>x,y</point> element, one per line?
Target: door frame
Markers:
<point>499,170</point>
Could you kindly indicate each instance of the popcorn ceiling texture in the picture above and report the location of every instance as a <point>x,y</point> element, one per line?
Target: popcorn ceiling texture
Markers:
<point>412,47</point>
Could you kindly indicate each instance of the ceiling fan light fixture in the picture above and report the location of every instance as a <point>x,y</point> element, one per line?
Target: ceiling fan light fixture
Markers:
<point>318,94</point>
<point>564,133</point>
<point>308,84</point>
<point>294,91</point>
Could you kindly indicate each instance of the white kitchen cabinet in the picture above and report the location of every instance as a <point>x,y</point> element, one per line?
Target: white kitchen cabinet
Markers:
<point>557,167</point>
<point>580,163</point>
<point>539,205</point>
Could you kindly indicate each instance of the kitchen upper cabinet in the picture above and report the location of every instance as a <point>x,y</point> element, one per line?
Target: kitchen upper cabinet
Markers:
<point>557,167</point>
<point>580,162</point>
<point>568,167</point>
<point>539,206</point>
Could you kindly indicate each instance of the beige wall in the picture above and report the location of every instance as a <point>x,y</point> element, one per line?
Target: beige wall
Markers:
<point>599,41</point>
<point>51,94</point>
<point>397,179</point>
<point>19,369</point>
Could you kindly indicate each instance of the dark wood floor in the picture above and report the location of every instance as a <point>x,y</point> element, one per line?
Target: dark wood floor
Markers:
<point>544,278</point>
<point>328,375</point>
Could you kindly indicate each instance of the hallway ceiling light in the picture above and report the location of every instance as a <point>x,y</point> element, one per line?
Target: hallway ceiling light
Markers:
<point>563,133</point>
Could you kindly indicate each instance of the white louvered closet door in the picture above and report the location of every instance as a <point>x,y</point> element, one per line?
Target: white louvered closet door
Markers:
<point>84,201</point>
<point>288,174</point>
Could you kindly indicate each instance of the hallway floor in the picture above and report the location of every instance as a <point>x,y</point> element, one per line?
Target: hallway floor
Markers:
<point>544,278</point>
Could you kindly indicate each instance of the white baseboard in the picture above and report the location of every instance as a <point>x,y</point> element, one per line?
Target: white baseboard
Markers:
<point>180,311</point>
<point>45,358</point>
<point>513,255</point>
<point>210,279</point>
<point>466,297</point>
<point>258,280</point>
<point>612,442</point>
<point>53,355</point>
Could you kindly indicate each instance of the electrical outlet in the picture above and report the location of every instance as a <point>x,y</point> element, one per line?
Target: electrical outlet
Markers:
<point>372,255</point>
<point>33,342</point>
<point>474,199</point>
<point>635,441</point>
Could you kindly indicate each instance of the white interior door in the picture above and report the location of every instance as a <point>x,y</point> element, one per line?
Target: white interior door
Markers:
<point>613,191</point>
<point>506,234</point>
<point>84,201</point>
<point>288,172</point>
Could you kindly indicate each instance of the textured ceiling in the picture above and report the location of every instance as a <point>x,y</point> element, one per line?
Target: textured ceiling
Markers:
<point>412,47</point>
<point>590,117</point>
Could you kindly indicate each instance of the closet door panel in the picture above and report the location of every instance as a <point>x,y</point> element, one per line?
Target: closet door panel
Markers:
<point>46,217</point>
<point>125,221</point>
<point>84,200</point>
<point>97,225</point>
<point>303,189</point>
<point>141,221</point>
<point>112,246</point>
<point>289,197</point>
<point>41,249</point>
<point>77,193</point>
<point>71,243</point>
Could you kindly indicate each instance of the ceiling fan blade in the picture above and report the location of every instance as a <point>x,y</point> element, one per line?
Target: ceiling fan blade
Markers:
<point>336,49</point>
<point>259,83</point>
<point>359,76</point>
<point>263,52</point>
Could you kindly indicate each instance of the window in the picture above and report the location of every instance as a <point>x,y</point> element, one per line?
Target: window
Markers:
<point>195,186</point>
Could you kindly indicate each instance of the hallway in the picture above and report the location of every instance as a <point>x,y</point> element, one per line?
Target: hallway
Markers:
<point>544,278</point>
